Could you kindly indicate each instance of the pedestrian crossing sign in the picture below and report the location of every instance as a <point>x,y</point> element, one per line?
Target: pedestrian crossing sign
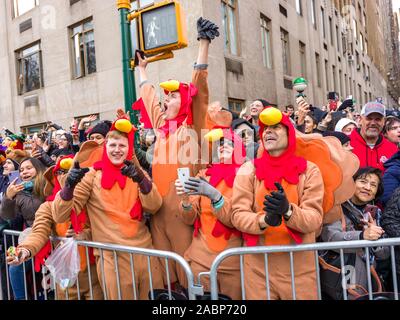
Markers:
<point>161,28</point>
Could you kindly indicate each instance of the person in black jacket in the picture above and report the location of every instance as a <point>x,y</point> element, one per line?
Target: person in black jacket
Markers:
<point>391,178</point>
<point>390,222</point>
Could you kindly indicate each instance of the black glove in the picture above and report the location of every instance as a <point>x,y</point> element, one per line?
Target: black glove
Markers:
<point>206,29</point>
<point>346,104</point>
<point>275,206</point>
<point>137,175</point>
<point>130,171</point>
<point>75,175</point>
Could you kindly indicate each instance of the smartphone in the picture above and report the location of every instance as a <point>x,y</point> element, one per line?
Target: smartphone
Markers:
<point>333,105</point>
<point>183,175</point>
<point>15,175</point>
<point>372,210</point>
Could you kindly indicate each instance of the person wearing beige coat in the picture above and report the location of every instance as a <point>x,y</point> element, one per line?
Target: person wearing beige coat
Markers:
<point>277,200</point>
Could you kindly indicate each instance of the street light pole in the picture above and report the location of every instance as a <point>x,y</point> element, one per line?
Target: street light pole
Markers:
<point>124,6</point>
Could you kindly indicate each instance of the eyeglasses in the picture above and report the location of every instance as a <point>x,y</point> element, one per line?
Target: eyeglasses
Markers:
<point>222,142</point>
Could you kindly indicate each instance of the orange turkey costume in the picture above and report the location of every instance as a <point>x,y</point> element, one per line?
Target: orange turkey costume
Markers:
<point>214,231</point>
<point>312,189</point>
<point>172,151</point>
<point>114,205</point>
<point>37,242</point>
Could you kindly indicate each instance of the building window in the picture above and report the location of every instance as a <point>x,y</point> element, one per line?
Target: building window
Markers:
<point>229,24</point>
<point>362,43</point>
<point>335,86</point>
<point>23,6</point>
<point>342,93</point>
<point>303,60</point>
<point>318,66</point>
<point>236,105</point>
<point>299,7</point>
<point>37,128</point>
<point>323,23</point>
<point>331,31</point>
<point>344,46</point>
<point>285,51</point>
<point>355,29</point>
<point>83,49</point>
<point>338,39</point>
<point>313,20</point>
<point>266,41</point>
<point>29,69</point>
<point>358,61</point>
<point>327,75</point>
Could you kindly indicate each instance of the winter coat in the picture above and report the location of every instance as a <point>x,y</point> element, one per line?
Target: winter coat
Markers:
<point>336,232</point>
<point>14,224</point>
<point>390,222</point>
<point>24,204</point>
<point>391,178</point>
<point>372,157</point>
<point>4,183</point>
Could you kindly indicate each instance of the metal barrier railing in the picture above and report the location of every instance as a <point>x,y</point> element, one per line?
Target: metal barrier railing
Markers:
<point>315,247</point>
<point>192,290</point>
<point>47,283</point>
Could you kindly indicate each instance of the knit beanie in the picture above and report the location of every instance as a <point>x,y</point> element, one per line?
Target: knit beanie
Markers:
<point>101,128</point>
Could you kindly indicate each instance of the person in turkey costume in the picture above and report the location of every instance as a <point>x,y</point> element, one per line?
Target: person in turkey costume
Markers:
<point>115,191</point>
<point>178,127</point>
<point>280,199</point>
<point>37,243</point>
<point>206,204</point>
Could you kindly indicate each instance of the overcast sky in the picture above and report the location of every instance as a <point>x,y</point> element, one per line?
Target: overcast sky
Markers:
<point>396,5</point>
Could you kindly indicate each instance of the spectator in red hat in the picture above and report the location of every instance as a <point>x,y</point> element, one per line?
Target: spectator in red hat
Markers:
<point>370,146</point>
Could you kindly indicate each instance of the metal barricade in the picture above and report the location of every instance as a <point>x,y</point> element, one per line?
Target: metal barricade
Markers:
<point>36,286</point>
<point>340,247</point>
<point>47,283</point>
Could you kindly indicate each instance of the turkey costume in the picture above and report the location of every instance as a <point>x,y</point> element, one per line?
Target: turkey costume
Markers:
<point>115,205</point>
<point>38,244</point>
<point>172,148</point>
<point>312,171</point>
<point>214,231</point>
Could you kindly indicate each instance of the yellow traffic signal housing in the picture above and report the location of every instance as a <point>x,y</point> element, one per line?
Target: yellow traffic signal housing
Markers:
<point>161,27</point>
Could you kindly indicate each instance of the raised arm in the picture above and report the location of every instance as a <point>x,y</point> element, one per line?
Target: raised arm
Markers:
<point>207,31</point>
<point>148,95</point>
<point>200,80</point>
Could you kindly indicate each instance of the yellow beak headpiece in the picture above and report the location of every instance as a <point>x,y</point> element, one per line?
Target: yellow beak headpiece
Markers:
<point>66,164</point>
<point>214,135</point>
<point>123,125</point>
<point>170,86</point>
<point>271,116</point>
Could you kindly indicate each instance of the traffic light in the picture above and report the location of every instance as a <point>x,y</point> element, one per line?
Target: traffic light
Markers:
<point>161,28</point>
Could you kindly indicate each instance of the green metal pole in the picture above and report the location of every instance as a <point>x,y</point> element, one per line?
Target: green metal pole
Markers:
<point>128,73</point>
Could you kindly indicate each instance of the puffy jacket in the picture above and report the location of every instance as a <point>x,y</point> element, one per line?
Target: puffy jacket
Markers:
<point>24,204</point>
<point>351,232</point>
<point>391,178</point>
<point>372,157</point>
<point>390,222</point>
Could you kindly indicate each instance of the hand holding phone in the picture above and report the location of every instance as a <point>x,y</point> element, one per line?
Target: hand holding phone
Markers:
<point>372,210</point>
<point>15,175</point>
<point>183,175</point>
